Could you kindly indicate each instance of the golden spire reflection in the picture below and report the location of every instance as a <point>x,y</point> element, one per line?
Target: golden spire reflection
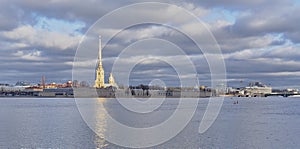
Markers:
<point>101,123</point>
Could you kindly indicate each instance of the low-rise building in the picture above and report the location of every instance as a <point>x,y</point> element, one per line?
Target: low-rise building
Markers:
<point>257,89</point>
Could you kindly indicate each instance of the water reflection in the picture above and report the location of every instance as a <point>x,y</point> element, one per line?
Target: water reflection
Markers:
<point>55,123</point>
<point>100,123</point>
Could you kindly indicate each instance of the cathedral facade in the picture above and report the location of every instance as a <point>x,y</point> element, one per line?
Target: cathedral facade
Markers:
<point>99,82</point>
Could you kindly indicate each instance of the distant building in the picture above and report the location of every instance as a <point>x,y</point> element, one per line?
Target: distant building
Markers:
<point>23,84</point>
<point>51,85</point>
<point>53,92</point>
<point>291,90</point>
<point>99,82</point>
<point>4,84</point>
<point>12,88</point>
<point>111,80</point>
<point>257,89</point>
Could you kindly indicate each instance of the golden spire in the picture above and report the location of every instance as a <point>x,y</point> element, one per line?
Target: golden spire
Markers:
<point>100,51</point>
<point>99,82</point>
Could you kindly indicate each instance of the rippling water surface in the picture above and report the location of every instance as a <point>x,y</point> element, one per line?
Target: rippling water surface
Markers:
<point>271,122</point>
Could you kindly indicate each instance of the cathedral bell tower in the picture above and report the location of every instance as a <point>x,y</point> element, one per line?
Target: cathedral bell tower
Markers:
<point>99,82</point>
<point>111,80</point>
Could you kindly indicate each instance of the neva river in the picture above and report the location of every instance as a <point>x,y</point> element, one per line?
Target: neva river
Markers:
<point>272,122</point>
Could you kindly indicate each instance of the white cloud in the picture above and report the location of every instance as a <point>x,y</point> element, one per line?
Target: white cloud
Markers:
<point>153,31</point>
<point>28,35</point>
<point>247,41</point>
<point>196,10</point>
<point>84,64</point>
<point>287,52</point>
<point>34,55</point>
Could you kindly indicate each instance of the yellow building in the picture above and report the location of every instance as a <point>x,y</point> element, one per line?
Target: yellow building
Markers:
<point>99,82</point>
<point>111,80</point>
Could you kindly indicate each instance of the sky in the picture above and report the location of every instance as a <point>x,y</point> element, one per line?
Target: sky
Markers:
<point>259,40</point>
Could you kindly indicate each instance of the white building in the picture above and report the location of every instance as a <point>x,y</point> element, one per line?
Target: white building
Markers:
<point>257,89</point>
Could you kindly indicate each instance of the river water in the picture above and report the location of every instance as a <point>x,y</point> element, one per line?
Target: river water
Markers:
<point>271,122</point>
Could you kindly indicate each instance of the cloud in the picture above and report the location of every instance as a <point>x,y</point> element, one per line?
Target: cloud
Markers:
<point>31,36</point>
<point>259,39</point>
<point>285,53</point>
<point>32,56</point>
<point>242,5</point>
<point>288,53</point>
<point>9,15</point>
<point>273,19</point>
